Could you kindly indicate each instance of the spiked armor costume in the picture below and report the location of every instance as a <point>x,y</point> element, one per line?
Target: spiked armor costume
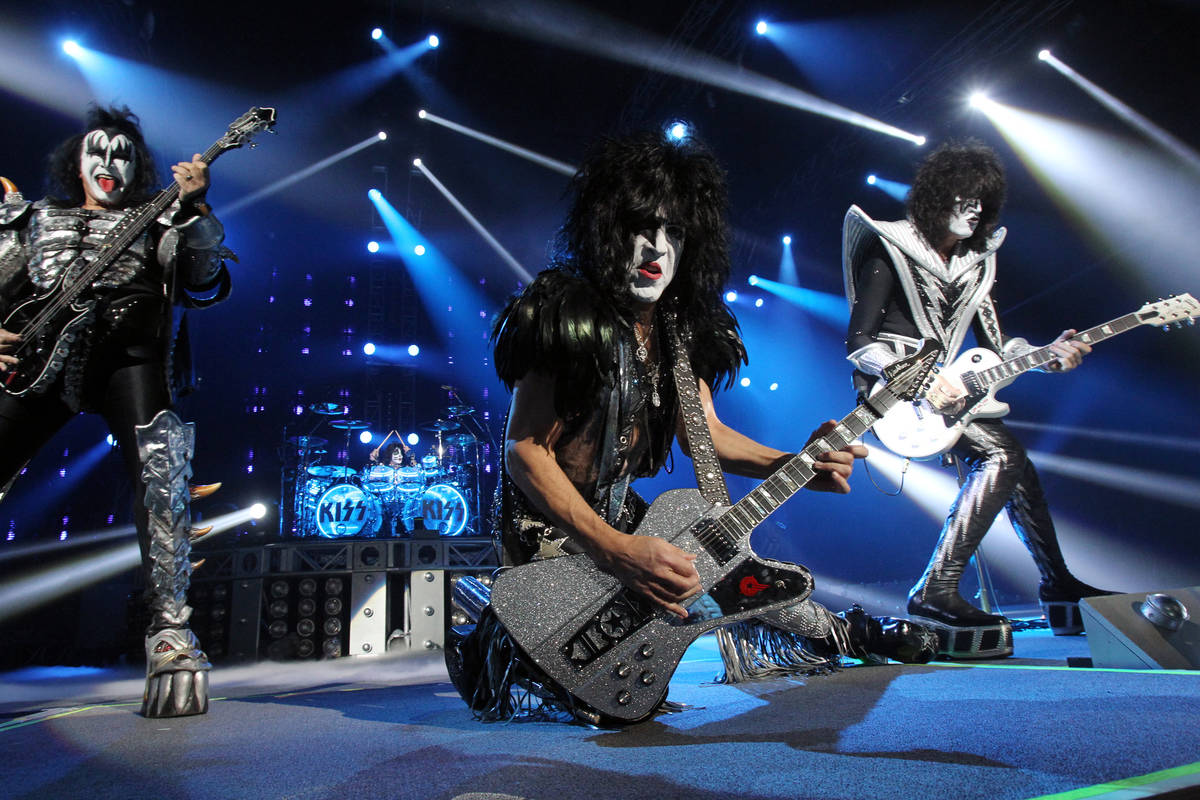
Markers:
<point>123,364</point>
<point>900,290</point>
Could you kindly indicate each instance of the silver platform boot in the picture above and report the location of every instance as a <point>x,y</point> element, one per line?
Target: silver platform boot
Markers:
<point>176,667</point>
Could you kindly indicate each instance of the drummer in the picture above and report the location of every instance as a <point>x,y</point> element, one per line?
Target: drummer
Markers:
<point>394,454</point>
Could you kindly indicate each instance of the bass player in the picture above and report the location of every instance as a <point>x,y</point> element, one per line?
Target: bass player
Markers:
<point>123,364</point>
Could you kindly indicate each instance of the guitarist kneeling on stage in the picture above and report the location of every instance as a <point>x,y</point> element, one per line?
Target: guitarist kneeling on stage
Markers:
<point>586,349</point>
<point>929,277</point>
<point>119,359</point>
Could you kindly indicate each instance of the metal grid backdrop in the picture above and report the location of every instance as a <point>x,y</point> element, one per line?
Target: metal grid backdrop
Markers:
<point>321,598</point>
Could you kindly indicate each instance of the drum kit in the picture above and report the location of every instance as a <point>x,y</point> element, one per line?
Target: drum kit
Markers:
<point>440,495</point>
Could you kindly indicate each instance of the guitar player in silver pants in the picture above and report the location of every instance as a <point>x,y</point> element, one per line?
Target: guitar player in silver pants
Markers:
<point>930,276</point>
<point>585,350</point>
<point>118,363</point>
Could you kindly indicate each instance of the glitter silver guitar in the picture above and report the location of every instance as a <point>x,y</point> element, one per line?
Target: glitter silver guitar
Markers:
<point>615,651</point>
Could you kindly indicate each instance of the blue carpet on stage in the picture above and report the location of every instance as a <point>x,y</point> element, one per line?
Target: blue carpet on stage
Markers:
<point>393,726</point>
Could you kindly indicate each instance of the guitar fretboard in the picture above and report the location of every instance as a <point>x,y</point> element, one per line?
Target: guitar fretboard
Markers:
<point>732,530</point>
<point>1043,355</point>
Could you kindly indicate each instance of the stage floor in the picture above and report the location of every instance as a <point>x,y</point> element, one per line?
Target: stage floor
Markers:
<point>392,726</point>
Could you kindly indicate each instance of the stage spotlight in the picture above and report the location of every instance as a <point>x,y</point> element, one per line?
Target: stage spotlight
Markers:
<point>110,441</point>
<point>752,280</point>
<point>72,48</point>
<point>373,194</point>
<point>1043,55</point>
<point>730,296</point>
<point>369,348</point>
<point>419,249</point>
<point>433,41</point>
<point>258,511</point>
<point>761,28</point>
<point>421,113</point>
<point>678,131</point>
<point>382,136</point>
<point>758,303</point>
<point>413,439</point>
<point>977,100</point>
<point>744,382</point>
<point>413,350</point>
<point>372,247</point>
<point>365,437</point>
<point>377,33</point>
<point>787,240</point>
<point>919,141</point>
<point>871,180</point>
<point>416,162</point>
<point>773,386</point>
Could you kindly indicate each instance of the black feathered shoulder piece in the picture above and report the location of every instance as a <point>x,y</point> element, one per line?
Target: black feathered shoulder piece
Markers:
<point>562,327</point>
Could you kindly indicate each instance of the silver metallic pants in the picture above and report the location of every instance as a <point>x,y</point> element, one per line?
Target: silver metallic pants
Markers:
<point>1000,476</point>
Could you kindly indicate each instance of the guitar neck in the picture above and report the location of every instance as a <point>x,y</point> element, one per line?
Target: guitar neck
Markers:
<point>733,528</point>
<point>1044,355</point>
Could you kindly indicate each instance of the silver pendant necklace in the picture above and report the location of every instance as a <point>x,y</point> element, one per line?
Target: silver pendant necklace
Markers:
<point>643,355</point>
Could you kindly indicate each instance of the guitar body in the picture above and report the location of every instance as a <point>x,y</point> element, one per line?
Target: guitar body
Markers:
<point>47,342</point>
<point>611,648</point>
<point>916,430</point>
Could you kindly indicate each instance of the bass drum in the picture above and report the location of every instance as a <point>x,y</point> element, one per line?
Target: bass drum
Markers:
<point>443,510</point>
<point>345,509</point>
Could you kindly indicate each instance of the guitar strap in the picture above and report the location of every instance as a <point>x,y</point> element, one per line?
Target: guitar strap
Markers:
<point>768,645</point>
<point>709,477</point>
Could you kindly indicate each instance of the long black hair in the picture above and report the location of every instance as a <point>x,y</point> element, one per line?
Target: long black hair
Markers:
<point>64,188</point>
<point>966,169</point>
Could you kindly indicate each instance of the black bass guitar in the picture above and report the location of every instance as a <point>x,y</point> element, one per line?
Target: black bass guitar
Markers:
<point>52,318</point>
<point>612,649</point>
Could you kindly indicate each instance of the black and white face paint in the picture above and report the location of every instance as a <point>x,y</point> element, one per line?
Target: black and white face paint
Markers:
<point>657,248</point>
<point>106,166</point>
<point>964,216</point>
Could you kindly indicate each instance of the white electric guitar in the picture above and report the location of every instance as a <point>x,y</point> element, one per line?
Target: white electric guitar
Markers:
<point>915,430</point>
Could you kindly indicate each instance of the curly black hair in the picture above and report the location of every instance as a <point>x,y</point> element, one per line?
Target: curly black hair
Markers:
<point>64,187</point>
<point>626,180</point>
<point>957,169</point>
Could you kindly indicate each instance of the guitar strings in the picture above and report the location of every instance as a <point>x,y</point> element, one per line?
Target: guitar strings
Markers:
<point>141,218</point>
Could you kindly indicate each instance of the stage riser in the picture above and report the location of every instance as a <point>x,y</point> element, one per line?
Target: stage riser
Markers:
<point>324,599</point>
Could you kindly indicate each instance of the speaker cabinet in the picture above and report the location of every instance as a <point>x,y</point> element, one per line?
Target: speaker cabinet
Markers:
<point>1119,636</point>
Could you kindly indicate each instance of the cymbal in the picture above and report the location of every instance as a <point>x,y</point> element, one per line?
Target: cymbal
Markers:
<point>460,439</point>
<point>460,411</point>
<point>307,442</point>
<point>348,424</point>
<point>329,471</point>
<point>328,409</point>
<point>439,425</point>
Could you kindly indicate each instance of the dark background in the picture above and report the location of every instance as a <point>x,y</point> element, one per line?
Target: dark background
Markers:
<point>302,305</point>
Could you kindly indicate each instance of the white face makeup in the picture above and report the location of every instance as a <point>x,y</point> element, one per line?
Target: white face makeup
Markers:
<point>657,248</point>
<point>964,217</point>
<point>106,167</point>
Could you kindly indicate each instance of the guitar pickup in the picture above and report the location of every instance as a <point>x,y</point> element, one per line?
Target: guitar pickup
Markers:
<point>716,541</point>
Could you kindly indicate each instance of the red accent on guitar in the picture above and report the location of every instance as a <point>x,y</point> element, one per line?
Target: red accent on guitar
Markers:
<point>749,586</point>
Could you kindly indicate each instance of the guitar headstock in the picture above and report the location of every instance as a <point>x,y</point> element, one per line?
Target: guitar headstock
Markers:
<point>1174,309</point>
<point>907,378</point>
<point>243,129</point>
